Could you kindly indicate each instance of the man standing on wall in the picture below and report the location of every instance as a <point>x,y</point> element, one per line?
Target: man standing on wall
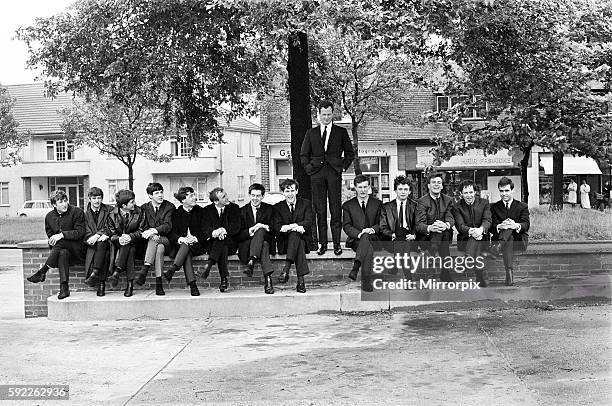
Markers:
<point>327,152</point>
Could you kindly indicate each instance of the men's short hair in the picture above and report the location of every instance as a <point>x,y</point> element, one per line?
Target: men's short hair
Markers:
<point>212,196</point>
<point>435,175</point>
<point>57,196</point>
<point>288,183</point>
<point>154,187</point>
<point>183,192</point>
<point>95,191</point>
<point>257,186</point>
<point>123,197</point>
<point>360,179</point>
<point>467,183</point>
<point>324,104</point>
<point>504,182</point>
<point>401,180</point>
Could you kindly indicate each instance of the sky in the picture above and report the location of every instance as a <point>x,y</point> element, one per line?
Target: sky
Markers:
<point>14,53</point>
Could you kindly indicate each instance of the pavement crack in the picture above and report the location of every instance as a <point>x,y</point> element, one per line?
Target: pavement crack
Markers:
<point>208,323</point>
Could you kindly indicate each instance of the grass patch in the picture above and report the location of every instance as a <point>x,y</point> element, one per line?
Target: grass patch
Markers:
<point>17,229</point>
<point>567,225</point>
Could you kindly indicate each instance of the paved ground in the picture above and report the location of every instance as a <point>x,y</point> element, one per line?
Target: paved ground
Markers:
<point>519,356</point>
<point>11,284</point>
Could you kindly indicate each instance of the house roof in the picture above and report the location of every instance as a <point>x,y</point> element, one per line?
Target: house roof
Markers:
<point>39,114</point>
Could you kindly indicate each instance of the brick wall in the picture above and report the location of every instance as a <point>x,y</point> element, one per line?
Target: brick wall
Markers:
<point>324,270</point>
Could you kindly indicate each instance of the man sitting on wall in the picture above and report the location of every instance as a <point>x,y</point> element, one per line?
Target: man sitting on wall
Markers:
<point>65,228</point>
<point>292,227</point>
<point>97,236</point>
<point>255,240</point>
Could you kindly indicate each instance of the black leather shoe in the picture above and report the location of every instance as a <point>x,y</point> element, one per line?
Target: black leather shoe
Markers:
<point>337,249</point>
<point>169,274</point>
<point>159,287</point>
<point>322,249</point>
<point>141,277</point>
<point>250,266</point>
<point>509,277</point>
<point>206,272</point>
<point>101,289</point>
<point>64,291</point>
<point>194,289</point>
<point>38,276</point>
<point>114,279</point>
<point>366,285</point>
<point>268,288</point>
<point>480,277</point>
<point>353,274</point>
<point>129,290</point>
<point>301,285</point>
<point>223,285</point>
<point>93,279</point>
<point>284,275</point>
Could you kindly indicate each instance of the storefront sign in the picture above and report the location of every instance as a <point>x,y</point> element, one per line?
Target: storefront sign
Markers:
<point>472,159</point>
<point>365,149</point>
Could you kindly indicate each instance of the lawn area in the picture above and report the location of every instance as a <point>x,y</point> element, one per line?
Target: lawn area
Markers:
<point>568,225</point>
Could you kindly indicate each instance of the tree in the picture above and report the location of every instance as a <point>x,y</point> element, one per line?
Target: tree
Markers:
<point>518,59</point>
<point>184,59</point>
<point>11,138</point>
<point>120,131</point>
<point>368,80</point>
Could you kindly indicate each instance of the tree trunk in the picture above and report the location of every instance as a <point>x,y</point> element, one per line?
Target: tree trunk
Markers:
<point>299,105</point>
<point>524,165</point>
<point>130,176</point>
<point>356,162</point>
<point>557,186</point>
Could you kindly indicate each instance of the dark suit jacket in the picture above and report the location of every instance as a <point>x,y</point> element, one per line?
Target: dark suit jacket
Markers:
<point>313,154</point>
<point>162,221</point>
<point>353,219</point>
<point>230,221</point>
<point>302,217</point>
<point>194,221</point>
<point>265,215</point>
<point>118,226</point>
<point>464,220</point>
<point>389,219</point>
<point>92,227</point>
<point>519,212</point>
<point>426,212</point>
<point>71,223</point>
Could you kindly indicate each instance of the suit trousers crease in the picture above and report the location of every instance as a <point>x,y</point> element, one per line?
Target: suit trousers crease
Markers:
<point>60,256</point>
<point>184,258</point>
<point>100,260</point>
<point>296,253</point>
<point>154,255</point>
<point>218,253</point>
<point>260,248</point>
<point>507,247</point>
<point>125,260</point>
<point>327,183</point>
<point>364,253</point>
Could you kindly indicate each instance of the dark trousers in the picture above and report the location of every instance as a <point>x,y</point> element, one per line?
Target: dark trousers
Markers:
<point>125,260</point>
<point>327,183</point>
<point>100,259</point>
<point>506,245</point>
<point>474,247</point>
<point>364,253</point>
<point>61,254</point>
<point>184,258</point>
<point>218,254</point>
<point>440,243</point>
<point>260,248</point>
<point>296,253</point>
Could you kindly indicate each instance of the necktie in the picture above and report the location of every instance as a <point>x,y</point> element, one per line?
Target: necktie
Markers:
<point>222,210</point>
<point>401,216</point>
<point>324,136</point>
<point>437,204</point>
<point>292,210</point>
<point>363,207</point>
<point>156,208</point>
<point>472,214</point>
<point>256,212</point>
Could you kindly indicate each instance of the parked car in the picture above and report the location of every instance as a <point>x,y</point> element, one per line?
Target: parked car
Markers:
<point>34,208</point>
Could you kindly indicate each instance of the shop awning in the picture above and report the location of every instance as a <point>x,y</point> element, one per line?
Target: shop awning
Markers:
<point>572,165</point>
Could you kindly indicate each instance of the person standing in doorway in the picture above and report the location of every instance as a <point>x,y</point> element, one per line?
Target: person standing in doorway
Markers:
<point>572,193</point>
<point>585,200</point>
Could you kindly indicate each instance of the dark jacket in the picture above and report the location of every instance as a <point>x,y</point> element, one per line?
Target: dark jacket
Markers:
<point>313,154</point>
<point>71,223</point>
<point>192,221</point>
<point>230,221</point>
<point>162,221</point>
<point>354,220</point>
<point>302,217</point>
<point>479,216</point>
<point>519,212</point>
<point>427,213</point>
<point>389,219</point>
<point>118,225</point>
<point>100,227</point>
<point>265,215</point>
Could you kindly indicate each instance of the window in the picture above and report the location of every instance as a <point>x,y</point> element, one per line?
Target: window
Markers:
<point>241,188</point>
<point>60,150</point>
<point>252,145</point>
<point>475,110</point>
<point>238,145</point>
<point>4,193</point>
<point>180,146</point>
<point>199,185</point>
<point>115,185</point>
